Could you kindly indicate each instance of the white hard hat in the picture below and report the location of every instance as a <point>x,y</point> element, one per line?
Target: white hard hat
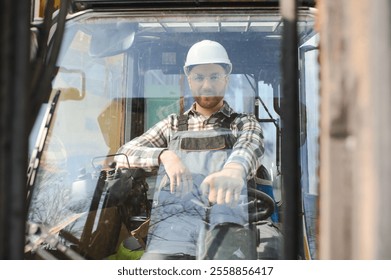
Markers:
<point>207,52</point>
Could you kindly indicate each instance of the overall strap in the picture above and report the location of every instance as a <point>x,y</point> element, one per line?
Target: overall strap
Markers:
<point>226,122</point>
<point>183,122</point>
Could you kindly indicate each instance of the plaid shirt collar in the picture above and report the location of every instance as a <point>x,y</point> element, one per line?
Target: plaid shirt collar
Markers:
<point>226,110</point>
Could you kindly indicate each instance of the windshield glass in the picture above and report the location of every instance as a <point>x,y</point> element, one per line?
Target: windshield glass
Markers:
<point>119,75</point>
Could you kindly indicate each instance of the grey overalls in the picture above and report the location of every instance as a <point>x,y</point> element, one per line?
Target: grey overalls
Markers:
<point>178,224</point>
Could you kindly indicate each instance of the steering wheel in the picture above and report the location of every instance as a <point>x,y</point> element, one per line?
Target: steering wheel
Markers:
<point>262,203</point>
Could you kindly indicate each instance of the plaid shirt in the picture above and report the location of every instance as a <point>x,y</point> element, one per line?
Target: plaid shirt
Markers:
<point>144,151</point>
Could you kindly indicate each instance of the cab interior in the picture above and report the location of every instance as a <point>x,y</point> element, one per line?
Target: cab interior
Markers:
<point>119,73</point>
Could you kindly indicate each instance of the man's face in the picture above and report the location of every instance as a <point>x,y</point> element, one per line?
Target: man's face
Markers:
<point>208,83</point>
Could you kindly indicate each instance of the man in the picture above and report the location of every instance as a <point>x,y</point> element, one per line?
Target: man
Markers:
<point>206,155</point>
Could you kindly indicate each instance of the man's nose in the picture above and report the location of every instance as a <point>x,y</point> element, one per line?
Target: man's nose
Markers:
<point>206,83</point>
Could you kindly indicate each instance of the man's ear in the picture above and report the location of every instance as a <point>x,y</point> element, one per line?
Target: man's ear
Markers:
<point>226,81</point>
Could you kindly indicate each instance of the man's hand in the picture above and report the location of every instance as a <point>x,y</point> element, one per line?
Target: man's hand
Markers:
<point>225,186</point>
<point>180,177</point>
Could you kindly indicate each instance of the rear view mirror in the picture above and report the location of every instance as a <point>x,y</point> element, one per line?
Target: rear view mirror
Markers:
<point>112,39</point>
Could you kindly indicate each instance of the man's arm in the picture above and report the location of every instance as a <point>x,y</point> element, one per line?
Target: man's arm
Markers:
<point>225,186</point>
<point>144,151</point>
<point>150,150</point>
<point>249,147</point>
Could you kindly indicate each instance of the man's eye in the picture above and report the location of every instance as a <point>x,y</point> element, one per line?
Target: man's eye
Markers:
<point>214,77</point>
<point>199,78</point>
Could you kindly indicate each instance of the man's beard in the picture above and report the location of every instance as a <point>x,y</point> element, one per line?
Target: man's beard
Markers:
<point>208,102</point>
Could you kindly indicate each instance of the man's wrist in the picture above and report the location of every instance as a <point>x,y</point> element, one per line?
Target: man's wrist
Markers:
<point>234,165</point>
<point>238,167</point>
<point>160,155</point>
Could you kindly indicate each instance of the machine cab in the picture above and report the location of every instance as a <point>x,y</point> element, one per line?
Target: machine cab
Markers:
<point>120,72</point>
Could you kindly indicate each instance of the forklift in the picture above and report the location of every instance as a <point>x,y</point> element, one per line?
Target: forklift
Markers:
<point>112,69</point>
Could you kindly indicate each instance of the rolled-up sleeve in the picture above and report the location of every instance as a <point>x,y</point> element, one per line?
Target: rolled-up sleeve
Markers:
<point>249,147</point>
<point>144,151</point>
